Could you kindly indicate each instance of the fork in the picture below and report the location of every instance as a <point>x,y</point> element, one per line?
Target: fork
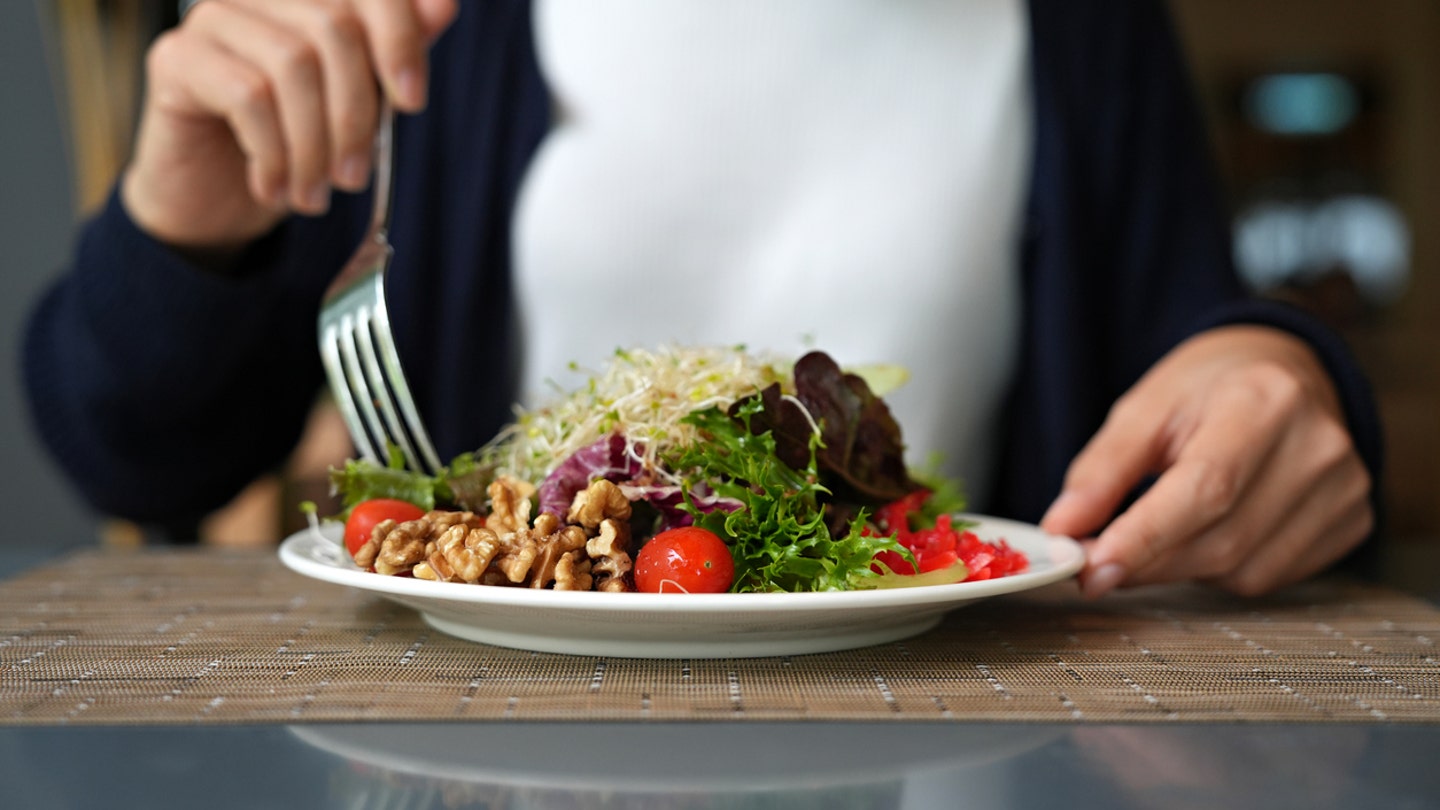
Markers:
<point>356,344</point>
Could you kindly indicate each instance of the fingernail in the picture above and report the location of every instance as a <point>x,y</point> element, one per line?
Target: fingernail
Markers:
<point>1104,579</point>
<point>318,197</point>
<point>353,172</point>
<point>410,89</point>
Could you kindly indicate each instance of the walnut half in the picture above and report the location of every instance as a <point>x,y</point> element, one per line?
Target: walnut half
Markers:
<point>600,500</point>
<point>509,505</point>
<point>609,556</point>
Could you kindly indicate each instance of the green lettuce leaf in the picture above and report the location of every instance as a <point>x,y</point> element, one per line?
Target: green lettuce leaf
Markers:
<point>778,538</point>
<point>361,480</point>
<point>459,485</point>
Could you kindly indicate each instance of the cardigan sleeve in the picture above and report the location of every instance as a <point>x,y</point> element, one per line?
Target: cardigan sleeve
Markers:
<point>161,389</point>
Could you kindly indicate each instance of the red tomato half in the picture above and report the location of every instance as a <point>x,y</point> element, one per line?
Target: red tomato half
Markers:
<point>366,514</point>
<point>685,560</point>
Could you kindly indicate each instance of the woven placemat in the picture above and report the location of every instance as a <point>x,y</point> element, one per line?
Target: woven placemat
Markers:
<point>194,637</point>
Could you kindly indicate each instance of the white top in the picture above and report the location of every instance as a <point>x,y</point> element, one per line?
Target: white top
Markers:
<point>846,175</point>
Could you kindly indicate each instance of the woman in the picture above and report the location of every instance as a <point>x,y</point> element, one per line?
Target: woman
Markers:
<point>1011,199</point>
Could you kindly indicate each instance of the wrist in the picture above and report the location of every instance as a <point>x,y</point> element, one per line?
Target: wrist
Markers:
<point>200,237</point>
<point>1274,344</point>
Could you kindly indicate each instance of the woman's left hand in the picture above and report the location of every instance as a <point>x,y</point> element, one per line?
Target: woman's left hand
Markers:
<point>1259,484</point>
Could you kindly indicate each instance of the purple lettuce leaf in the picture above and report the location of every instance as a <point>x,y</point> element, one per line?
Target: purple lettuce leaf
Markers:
<point>608,458</point>
<point>863,457</point>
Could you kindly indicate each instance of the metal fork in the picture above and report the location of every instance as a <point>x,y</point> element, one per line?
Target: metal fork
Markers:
<point>356,345</point>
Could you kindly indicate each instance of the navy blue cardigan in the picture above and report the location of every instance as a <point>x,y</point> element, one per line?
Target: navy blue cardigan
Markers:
<point>163,389</point>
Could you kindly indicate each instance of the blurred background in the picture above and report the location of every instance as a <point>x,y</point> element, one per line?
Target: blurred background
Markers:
<point>1324,116</point>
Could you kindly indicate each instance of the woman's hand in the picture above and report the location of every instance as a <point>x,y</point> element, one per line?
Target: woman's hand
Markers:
<point>257,108</point>
<point>1258,486</point>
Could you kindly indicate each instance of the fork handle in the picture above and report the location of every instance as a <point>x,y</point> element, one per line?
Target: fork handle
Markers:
<point>384,155</point>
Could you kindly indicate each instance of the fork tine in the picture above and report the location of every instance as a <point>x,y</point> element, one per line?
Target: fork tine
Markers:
<point>396,377</point>
<point>364,397</point>
<point>373,326</point>
<point>380,393</point>
<point>339,387</point>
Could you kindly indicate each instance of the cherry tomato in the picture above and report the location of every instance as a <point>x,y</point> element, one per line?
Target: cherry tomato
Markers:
<point>684,560</point>
<point>366,514</point>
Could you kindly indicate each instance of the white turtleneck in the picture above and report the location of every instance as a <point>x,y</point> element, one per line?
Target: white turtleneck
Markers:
<point>845,175</point>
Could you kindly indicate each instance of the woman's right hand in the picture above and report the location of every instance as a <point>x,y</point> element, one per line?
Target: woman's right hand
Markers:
<point>258,108</point>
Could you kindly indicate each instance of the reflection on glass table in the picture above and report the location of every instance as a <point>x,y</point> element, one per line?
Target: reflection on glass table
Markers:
<point>722,765</point>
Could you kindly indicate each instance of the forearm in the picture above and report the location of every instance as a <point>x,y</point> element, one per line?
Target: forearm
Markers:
<point>162,389</point>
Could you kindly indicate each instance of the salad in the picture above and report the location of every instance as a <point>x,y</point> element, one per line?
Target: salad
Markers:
<point>679,470</point>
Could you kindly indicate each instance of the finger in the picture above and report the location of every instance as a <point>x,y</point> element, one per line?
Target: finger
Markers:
<point>1126,448</point>
<point>193,75</point>
<point>1221,549</point>
<point>1335,516</point>
<point>435,16</point>
<point>1313,474</point>
<point>398,39</point>
<point>1341,538</point>
<point>292,67</point>
<point>1300,554</point>
<point>1215,465</point>
<point>1277,489</point>
<point>351,106</point>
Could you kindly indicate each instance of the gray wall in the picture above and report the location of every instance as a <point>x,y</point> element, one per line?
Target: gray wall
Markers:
<point>36,226</point>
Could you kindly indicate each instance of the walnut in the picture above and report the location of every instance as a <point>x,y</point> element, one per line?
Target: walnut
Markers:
<point>365,555</point>
<point>434,566</point>
<point>467,552</point>
<point>610,560</point>
<point>515,559</point>
<point>509,505</point>
<point>401,546</point>
<point>440,520</point>
<point>494,576</point>
<point>547,524</point>
<point>589,551</point>
<point>552,548</point>
<point>601,500</point>
<point>572,573</point>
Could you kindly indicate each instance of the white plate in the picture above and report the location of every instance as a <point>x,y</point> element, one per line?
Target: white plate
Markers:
<point>647,625</point>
